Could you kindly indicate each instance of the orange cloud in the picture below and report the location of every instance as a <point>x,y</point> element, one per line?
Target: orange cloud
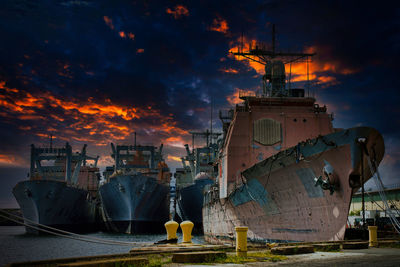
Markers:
<point>108,22</point>
<point>140,50</point>
<point>10,160</point>
<point>177,139</point>
<point>25,128</point>
<point>219,25</point>
<point>174,158</point>
<point>121,34</point>
<point>234,98</point>
<point>247,44</point>
<point>229,70</point>
<point>56,117</point>
<point>173,139</point>
<point>31,117</point>
<point>327,80</point>
<point>3,87</point>
<point>42,135</point>
<point>105,161</point>
<point>178,11</point>
<point>92,121</point>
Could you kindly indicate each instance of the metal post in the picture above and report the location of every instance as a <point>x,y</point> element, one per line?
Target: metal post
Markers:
<point>68,151</point>
<point>211,103</point>
<point>308,80</point>
<point>187,227</point>
<point>32,172</point>
<point>117,158</point>
<point>241,241</point>
<point>362,188</point>
<point>51,143</point>
<point>207,134</point>
<point>290,74</point>
<point>273,38</point>
<point>135,140</point>
<point>152,158</point>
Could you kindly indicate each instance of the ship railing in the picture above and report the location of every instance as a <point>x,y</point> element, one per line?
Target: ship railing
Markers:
<point>226,114</point>
<point>245,93</point>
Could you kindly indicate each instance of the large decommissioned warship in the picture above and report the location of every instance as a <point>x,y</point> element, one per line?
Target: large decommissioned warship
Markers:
<point>192,179</point>
<point>284,171</point>
<point>135,197</point>
<point>61,191</point>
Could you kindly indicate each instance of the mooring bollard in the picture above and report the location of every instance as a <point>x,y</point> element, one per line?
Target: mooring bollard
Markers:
<point>187,227</point>
<point>373,236</point>
<point>171,227</point>
<point>241,241</point>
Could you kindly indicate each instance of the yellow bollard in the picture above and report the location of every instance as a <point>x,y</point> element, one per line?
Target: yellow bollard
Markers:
<point>187,227</point>
<point>373,236</point>
<point>171,227</point>
<point>241,241</point>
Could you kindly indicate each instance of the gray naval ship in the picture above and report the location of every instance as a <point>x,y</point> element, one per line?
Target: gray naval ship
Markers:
<point>135,196</point>
<point>61,191</point>
<point>284,171</point>
<point>192,178</point>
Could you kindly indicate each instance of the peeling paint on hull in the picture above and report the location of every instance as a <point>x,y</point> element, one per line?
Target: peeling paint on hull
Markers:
<point>278,200</point>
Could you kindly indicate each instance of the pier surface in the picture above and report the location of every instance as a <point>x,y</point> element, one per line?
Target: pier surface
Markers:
<point>361,257</point>
<point>388,254</point>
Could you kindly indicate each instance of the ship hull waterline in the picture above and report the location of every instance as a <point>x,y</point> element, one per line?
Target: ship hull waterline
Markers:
<point>134,204</point>
<point>190,202</point>
<point>57,205</point>
<point>279,201</point>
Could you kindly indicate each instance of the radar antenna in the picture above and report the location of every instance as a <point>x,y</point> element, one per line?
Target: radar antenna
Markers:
<point>274,62</point>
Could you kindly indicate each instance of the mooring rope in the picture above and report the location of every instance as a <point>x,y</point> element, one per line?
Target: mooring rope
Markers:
<point>381,190</point>
<point>41,227</point>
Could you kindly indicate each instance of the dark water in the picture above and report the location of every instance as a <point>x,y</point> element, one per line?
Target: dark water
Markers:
<point>17,246</point>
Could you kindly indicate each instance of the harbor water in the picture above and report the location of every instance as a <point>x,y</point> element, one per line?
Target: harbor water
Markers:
<point>18,246</point>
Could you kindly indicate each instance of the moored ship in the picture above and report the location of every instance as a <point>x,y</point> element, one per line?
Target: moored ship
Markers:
<point>284,171</point>
<point>192,179</point>
<point>135,197</point>
<point>61,191</point>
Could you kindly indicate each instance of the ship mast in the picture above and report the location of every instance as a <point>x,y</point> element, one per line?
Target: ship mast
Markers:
<point>274,62</point>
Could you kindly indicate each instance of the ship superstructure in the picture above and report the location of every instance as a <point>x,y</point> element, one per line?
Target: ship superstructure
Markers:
<point>62,190</point>
<point>283,170</point>
<point>135,198</point>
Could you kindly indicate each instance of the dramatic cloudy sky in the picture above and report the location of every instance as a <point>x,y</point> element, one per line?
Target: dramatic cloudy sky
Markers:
<point>95,72</point>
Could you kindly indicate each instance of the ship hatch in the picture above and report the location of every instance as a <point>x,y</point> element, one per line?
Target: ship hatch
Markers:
<point>267,131</point>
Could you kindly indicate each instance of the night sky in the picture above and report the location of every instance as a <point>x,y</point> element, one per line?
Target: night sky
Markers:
<point>95,72</point>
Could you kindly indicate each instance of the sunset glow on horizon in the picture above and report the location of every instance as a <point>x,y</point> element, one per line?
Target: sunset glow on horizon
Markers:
<point>85,121</point>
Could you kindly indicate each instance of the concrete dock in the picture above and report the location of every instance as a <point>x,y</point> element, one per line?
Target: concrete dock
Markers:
<point>364,257</point>
<point>317,254</point>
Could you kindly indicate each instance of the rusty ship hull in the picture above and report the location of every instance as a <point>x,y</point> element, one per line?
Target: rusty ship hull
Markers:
<point>57,205</point>
<point>278,199</point>
<point>134,204</point>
